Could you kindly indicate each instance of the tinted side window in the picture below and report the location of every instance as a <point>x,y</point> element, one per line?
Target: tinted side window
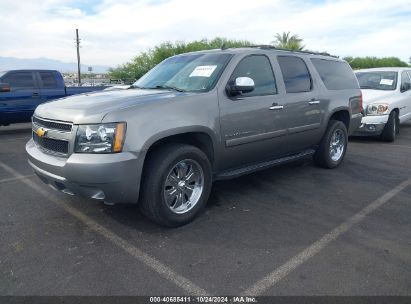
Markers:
<point>295,73</point>
<point>336,75</point>
<point>48,79</point>
<point>19,80</point>
<point>258,68</point>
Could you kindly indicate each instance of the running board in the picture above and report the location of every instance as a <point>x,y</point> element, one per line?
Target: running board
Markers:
<point>261,166</point>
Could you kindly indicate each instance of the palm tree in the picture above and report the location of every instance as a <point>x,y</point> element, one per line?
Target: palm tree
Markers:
<point>288,41</point>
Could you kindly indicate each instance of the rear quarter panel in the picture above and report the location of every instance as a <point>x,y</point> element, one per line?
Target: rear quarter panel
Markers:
<point>338,100</point>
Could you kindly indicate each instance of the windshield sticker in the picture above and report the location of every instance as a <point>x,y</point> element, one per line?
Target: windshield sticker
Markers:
<point>203,71</point>
<point>386,82</point>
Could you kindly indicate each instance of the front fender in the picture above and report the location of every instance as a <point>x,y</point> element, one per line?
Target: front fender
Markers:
<point>180,131</point>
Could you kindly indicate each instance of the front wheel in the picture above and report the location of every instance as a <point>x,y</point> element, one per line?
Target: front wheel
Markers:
<point>176,184</point>
<point>391,128</point>
<point>333,145</point>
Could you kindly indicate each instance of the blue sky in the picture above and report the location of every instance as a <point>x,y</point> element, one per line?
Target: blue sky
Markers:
<point>88,7</point>
<point>113,31</point>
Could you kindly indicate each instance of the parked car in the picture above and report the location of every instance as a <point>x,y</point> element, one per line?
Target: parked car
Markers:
<point>387,101</point>
<point>193,119</point>
<point>21,91</point>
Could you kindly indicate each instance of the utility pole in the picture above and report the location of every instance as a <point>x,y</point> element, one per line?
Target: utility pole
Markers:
<point>78,57</point>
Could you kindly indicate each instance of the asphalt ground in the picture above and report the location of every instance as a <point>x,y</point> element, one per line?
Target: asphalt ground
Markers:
<point>291,230</point>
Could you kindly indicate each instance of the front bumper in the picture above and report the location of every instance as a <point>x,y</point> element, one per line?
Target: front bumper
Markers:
<point>112,178</point>
<point>371,125</point>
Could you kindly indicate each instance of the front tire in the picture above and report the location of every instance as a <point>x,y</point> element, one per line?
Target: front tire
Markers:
<point>333,146</point>
<point>391,128</point>
<point>176,184</point>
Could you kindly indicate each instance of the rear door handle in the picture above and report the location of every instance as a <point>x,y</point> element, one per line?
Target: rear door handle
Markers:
<point>35,95</point>
<point>314,102</point>
<point>276,107</point>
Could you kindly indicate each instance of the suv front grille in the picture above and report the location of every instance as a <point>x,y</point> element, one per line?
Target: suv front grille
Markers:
<point>50,144</point>
<point>55,125</point>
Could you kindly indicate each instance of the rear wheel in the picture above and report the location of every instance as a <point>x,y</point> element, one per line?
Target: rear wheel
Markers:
<point>391,128</point>
<point>176,184</point>
<point>333,146</point>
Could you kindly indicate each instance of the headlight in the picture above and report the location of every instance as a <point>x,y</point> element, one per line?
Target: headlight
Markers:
<point>101,138</point>
<point>377,109</point>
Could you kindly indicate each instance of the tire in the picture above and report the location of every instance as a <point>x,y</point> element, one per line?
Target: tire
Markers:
<point>328,156</point>
<point>391,128</point>
<point>166,197</point>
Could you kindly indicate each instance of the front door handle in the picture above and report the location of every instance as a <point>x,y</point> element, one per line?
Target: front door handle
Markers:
<point>314,102</point>
<point>35,95</point>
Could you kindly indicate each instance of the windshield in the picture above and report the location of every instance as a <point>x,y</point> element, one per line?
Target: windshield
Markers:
<point>377,80</point>
<point>196,72</point>
<point>2,73</point>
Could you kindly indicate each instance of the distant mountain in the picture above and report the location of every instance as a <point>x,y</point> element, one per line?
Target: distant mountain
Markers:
<point>11,63</point>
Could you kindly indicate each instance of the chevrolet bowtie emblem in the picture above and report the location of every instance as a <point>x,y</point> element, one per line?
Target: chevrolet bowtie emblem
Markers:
<point>41,132</point>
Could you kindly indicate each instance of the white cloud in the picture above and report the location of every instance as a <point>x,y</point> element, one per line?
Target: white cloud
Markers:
<point>113,31</point>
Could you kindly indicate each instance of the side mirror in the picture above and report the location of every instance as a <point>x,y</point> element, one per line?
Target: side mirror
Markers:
<point>241,85</point>
<point>4,87</point>
<point>405,87</point>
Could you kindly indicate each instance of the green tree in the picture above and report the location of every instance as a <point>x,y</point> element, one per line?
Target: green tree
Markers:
<point>142,63</point>
<point>288,42</point>
<point>374,62</point>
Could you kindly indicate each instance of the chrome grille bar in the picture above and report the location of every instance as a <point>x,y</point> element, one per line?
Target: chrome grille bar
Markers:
<point>55,125</point>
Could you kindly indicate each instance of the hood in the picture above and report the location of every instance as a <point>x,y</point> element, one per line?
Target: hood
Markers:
<point>92,107</point>
<point>371,96</point>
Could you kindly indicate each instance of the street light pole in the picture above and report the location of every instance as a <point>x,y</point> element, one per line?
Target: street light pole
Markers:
<point>78,57</point>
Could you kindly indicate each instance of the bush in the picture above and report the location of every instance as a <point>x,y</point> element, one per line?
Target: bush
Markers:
<point>142,63</point>
<point>374,62</point>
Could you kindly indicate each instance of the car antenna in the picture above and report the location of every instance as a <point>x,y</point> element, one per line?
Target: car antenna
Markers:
<point>223,45</point>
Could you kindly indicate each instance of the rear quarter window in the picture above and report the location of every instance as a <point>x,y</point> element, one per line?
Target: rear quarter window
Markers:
<point>336,75</point>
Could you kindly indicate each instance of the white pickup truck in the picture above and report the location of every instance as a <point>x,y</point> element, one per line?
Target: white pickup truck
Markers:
<point>386,101</point>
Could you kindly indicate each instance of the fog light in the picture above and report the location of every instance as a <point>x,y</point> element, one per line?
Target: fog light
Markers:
<point>99,195</point>
<point>371,127</point>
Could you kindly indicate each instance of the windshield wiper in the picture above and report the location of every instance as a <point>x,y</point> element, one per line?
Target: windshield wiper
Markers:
<point>158,87</point>
<point>135,87</point>
<point>169,88</point>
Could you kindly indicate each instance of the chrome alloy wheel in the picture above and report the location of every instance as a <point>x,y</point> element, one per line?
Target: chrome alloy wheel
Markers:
<point>337,145</point>
<point>183,186</point>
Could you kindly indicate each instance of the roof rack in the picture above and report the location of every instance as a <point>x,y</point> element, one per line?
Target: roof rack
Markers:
<point>271,47</point>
